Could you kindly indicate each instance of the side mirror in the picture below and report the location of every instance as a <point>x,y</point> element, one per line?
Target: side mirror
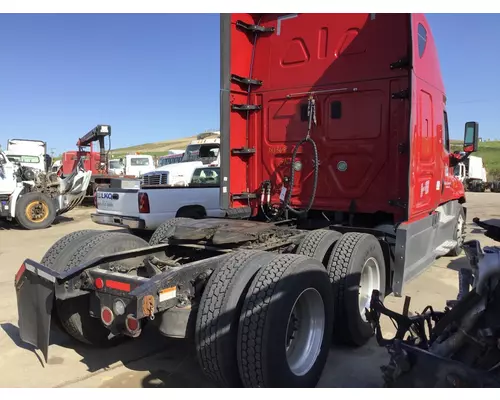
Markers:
<point>471,137</point>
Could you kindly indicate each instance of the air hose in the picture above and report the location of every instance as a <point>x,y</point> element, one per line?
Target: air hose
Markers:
<point>311,113</point>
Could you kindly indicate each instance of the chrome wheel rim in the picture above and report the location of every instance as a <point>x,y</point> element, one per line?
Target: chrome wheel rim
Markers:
<point>460,230</point>
<point>305,329</point>
<point>369,281</point>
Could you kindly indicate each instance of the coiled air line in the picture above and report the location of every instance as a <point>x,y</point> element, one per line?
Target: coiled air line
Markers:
<point>311,114</point>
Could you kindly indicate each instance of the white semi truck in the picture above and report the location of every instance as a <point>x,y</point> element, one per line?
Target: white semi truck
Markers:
<point>472,174</point>
<point>29,153</point>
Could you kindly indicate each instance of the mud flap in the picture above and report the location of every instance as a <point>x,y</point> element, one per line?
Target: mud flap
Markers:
<point>35,291</point>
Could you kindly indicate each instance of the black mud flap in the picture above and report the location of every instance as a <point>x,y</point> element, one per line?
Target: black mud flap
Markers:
<point>35,290</point>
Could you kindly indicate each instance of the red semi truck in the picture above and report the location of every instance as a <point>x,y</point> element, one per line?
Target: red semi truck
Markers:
<point>337,181</point>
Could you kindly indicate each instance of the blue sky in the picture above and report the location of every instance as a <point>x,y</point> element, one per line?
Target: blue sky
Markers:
<point>155,77</point>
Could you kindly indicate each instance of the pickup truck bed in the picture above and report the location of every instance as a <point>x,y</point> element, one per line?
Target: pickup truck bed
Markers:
<point>120,207</point>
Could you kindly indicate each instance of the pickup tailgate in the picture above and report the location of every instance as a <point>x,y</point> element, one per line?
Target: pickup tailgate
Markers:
<point>118,201</point>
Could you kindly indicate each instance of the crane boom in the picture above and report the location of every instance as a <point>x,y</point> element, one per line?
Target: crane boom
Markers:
<point>97,135</point>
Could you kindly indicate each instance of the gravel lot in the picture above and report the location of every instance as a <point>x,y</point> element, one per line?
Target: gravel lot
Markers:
<point>155,361</point>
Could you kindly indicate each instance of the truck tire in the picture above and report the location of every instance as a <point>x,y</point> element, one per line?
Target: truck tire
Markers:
<point>459,235</point>
<point>165,230</point>
<point>35,210</point>
<point>318,244</point>
<point>74,313</point>
<point>55,258</point>
<point>218,315</point>
<point>53,254</point>
<point>271,352</point>
<point>355,268</point>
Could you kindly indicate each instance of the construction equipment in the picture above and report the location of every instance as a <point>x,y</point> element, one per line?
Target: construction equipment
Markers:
<point>336,178</point>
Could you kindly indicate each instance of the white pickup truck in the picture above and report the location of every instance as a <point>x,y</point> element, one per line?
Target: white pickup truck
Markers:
<point>151,205</point>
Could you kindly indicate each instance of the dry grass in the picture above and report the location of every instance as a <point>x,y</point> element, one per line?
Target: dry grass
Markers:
<point>157,148</point>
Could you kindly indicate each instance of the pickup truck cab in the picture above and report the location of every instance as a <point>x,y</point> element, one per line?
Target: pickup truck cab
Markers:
<point>147,208</point>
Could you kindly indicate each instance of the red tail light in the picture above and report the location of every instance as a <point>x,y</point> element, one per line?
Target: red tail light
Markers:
<point>20,273</point>
<point>143,203</point>
<point>107,316</point>
<point>133,326</point>
<point>99,283</point>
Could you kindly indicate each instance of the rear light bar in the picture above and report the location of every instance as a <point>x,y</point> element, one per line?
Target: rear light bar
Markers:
<point>143,203</point>
<point>124,287</point>
<point>100,283</point>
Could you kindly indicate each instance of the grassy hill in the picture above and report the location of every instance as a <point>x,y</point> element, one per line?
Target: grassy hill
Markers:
<point>154,149</point>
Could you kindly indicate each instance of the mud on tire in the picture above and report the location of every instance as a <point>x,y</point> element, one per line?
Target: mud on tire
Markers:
<point>268,351</point>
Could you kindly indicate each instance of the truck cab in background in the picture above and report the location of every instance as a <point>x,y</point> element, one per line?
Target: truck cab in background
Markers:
<point>136,165</point>
<point>200,152</point>
<point>116,167</point>
<point>472,174</point>
<point>29,153</point>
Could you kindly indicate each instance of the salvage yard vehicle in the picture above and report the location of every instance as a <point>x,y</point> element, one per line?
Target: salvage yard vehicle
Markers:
<point>29,153</point>
<point>472,174</point>
<point>204,150</point>
<point>34,197</point>
<point>145,209</point>
<point>457,347</point>
<point>336,179</point>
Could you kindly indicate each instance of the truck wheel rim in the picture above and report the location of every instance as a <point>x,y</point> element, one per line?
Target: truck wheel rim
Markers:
<point>37,211</point>
<point>460,230</point>
<point>305,329</point>
<point>369,281</point>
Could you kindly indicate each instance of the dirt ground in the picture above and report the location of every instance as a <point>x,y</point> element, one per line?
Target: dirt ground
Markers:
<point>156,361</point>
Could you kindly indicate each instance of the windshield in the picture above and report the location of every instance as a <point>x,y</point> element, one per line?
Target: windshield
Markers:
<point>139,161</point>
<point>170,160</point>
<point>206,176</point>
<point>24,159</point>
<point>205,153</point>
<point>115,164</point>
